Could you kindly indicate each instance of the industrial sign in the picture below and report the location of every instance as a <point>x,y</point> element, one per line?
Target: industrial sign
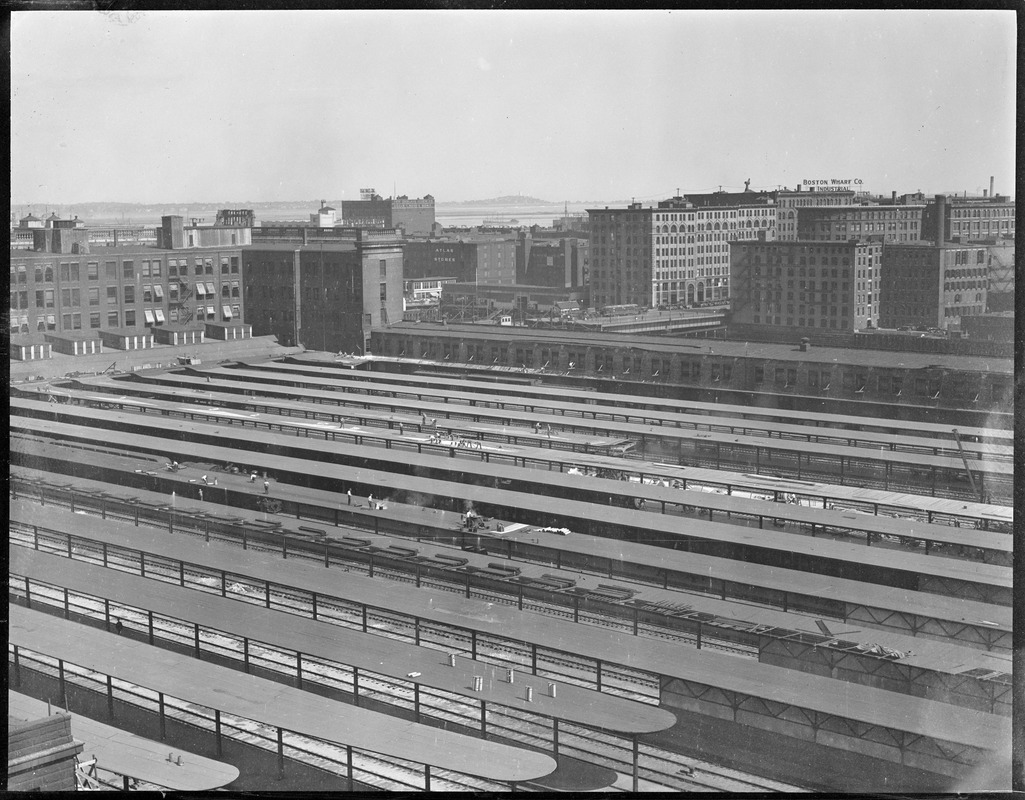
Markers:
<point>833,184</point>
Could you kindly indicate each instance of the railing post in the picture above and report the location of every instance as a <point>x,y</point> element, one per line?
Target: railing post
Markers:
<point>163,716</point>
<point>348,764</point>
<point>196,639</point>
<point>281,754</point>
<point>355,686</point>
<point>636,766</point>
<point>110,698</point>
<point>17,666</point>
<point>217,731</point>
<point>298,670</point>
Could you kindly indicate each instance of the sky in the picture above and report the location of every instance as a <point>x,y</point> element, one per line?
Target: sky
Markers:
<point>219,106</point>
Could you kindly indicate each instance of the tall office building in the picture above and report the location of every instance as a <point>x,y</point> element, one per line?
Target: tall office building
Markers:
<point>677,253</point>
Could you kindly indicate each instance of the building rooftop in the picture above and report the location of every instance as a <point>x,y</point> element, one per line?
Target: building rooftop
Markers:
<point>709,347</point>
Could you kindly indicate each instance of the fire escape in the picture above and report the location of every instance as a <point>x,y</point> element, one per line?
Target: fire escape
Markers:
<point>184,310</point>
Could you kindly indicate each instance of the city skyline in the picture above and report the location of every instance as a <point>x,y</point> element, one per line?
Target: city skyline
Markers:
<point>565,105</point>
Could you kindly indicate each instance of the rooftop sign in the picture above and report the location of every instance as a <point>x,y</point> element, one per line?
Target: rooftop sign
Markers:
<point>833,184</point>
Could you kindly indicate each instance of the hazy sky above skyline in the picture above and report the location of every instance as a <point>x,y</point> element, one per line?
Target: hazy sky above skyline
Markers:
<point>566,105</point>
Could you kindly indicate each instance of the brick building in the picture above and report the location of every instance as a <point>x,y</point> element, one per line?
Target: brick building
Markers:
<point>932,285</point>
<point>414,216</point>
<point>788,203</point>
<point>547,261</point>
<point>327,295</point>
<point>482,258</point>
<point>67,284</point>
<point>890,223</point>
<point>968,219</point>
<point>832,285</point>
<point>782,375</point>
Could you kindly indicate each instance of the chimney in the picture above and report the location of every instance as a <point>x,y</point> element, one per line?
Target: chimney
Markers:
<point>941,221</point>
<point>893,197</point>
<point>991,186</point>
<point>984,193</point>
<point>798,187</point>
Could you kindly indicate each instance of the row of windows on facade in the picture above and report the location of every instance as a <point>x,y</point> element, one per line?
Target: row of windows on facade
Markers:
<point>999,211</point>
<point>851,380</point>
<point>870,227</point>
<point>70,297</point>
<point>72,321</point>
<point>800,322</point>
<point>70,271</point>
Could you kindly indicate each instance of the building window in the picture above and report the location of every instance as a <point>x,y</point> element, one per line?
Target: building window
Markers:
<point>112,319</point>
<point>94,319</point>
<point>224,266</point>
<point>93,270</point>
<point>128,269</point>
<point>199,266</point>
<point>111,295</point>
<point>147,293</point>
<point>384,292</point>
<point>234,264</point>
<point>158,269</point>
<point>94,296</point>
<point>129,294</point>
<point>110,270</point>
<point>384,268</point>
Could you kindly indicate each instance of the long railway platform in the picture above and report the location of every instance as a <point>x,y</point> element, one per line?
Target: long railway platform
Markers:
<point>38,639</point>
<point>591,481</point>
<point>898,663</point>
<point>965,734</point>
<point>920,614</point>
<point>537,449</point>
<point>833,429</point>
<point>291,457</point>
<point>937,474</point>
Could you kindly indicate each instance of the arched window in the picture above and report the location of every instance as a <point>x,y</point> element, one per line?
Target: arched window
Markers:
<point>672,229</point>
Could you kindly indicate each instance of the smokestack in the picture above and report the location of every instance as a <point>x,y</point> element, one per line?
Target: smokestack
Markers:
<point>991,186</point>
<point>893,196</point>
<point>941,220</point>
